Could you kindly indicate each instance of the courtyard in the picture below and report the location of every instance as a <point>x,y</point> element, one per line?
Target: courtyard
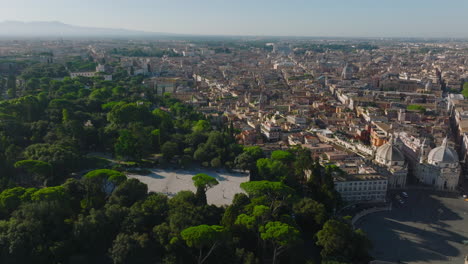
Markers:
<point>430,227</point>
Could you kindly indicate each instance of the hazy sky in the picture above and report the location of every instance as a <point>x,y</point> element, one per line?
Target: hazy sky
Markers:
<point>418,18</point>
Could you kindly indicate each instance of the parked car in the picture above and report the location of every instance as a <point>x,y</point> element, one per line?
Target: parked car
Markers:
<point>404,194</point>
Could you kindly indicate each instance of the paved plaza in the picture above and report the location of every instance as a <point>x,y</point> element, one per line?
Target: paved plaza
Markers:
<point>429,228</point>
<point>171,182</point>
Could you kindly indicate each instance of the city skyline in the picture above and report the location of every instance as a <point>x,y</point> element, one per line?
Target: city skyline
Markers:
<point>336,18</point>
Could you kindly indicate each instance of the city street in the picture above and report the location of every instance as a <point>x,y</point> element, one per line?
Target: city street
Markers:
<point>429,227</point>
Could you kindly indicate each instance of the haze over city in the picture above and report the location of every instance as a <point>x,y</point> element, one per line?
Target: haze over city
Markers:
<point>345,18</point>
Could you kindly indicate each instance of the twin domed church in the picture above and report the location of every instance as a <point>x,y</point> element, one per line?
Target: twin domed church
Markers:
<point>439,168</point>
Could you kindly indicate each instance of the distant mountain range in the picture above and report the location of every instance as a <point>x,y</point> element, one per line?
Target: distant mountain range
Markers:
<point>59,29</point>
<point>54,29</point>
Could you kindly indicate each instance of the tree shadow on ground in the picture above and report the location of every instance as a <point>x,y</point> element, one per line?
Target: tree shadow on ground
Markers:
<point>154,175</point>
<point>220,175</point>
<point>423,230</point>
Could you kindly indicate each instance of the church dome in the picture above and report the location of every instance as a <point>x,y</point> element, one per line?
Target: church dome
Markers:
<point>443,154</point>
<point>389,153</point>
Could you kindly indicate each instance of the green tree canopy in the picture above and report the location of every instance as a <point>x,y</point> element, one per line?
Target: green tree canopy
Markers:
<point>248,158</point>
<point>204,181</point>
<point>125,113</point>
<point>99,184</point>
<point>203,236</point>
<point>132,248</point>
<point>127,145</point>
<point>273,190</point>
<point>281,235</point>
<point>61,158</point>
<point>11,199</point>
<point>40,169</point>
<point>272,170</point>
<point>338,239</point>
<point>129,192</point>
<point>310,215</point>
<point>415,107</point>
<point>201,126</point>
<point>465,90</point>
<point>113,176</point>
<point>56,193</point>
<point>169,150</point>
<point>283,156</point>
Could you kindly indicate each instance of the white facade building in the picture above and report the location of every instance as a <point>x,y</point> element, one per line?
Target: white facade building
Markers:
<point>83,74</point>
<point>361,187</point>
<point>297,120</point>
<point>441,169</point>
<point>271,131</point>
